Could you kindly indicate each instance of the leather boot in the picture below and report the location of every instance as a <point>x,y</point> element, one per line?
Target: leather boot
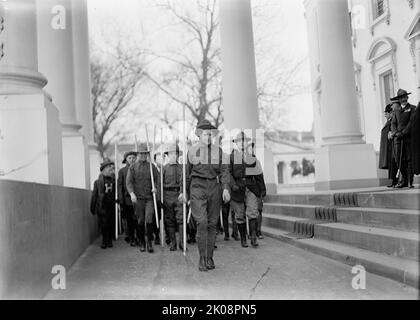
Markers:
<point>172,239</point>
<point>202,264</point>
<point>210,263</point>
<point>242,232</point>
<point>253,232</point>
<point>149,230</point>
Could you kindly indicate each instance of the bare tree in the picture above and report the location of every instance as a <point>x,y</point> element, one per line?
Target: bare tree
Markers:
<point>113,88</point>
<point>194,80</point>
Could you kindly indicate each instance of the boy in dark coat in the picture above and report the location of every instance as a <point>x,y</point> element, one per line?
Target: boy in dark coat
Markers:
<point>386,150</point>
<point>103,202</point>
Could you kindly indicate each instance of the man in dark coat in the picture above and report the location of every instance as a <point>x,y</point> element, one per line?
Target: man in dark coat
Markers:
<point>139,186</point>
<point>247,187</point>
<point>386,152</point>
<point>102,202</point>
<point>401,129</point>
<point>207,173</point>
<point>127,209</point>
<point>415,142</point>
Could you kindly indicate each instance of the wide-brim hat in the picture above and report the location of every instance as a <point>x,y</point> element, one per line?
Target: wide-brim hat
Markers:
<point>204,125</point>
<point>241,136</point>
<point>105,164</point>
<point>143,148</point>
<point>127,154</point>
<point>172,148</point>
<point>401,93</point>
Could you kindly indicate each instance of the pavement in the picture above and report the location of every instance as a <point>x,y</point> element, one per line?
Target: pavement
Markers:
<point>275,270</point>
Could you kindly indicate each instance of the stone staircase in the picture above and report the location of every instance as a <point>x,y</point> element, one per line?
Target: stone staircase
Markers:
<point>377,229</point>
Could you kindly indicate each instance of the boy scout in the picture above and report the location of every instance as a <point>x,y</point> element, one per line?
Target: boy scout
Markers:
<point>139,186</point>
<point>102,202</point>
<point>207,172</point>
<point>172,179</point>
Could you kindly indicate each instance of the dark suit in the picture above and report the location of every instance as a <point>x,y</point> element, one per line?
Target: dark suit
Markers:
<point>401,127</point>
<point>415,140</point>
<point>386,153</point>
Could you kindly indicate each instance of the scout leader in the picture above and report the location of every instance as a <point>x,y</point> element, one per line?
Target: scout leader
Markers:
<point>172,206</point>
<point>207,173</point>
<point>139,186</point>
<point>102,202</point>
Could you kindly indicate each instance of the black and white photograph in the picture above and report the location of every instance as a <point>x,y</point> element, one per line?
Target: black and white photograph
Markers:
<point>233,151</point>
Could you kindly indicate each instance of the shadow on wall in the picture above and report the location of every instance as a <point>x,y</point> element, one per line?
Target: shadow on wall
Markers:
<point>41,226</point>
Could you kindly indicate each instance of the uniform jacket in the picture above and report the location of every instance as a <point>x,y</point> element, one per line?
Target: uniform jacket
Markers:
<point>123,195</point>
<point>402,119</point>
<point>172,176</point>
<point>103,196</point>
<point>208,162</point>
<point>138,180</point>
<point>246,172</point>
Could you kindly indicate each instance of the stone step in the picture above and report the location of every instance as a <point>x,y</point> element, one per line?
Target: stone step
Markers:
<point>395,243</point>
<point>294,210</point>
<point>401,270</point>
<point>322,199</point>
<point>397,219</point>
<point>279,221</point>
<point>396,199</point>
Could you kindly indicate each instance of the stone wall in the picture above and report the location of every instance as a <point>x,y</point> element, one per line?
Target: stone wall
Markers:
<point>40,226</point>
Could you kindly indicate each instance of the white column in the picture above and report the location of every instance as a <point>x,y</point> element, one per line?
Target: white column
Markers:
<point>55,51</point>
<point>240,103</point>
<point>82,82</point>
<point>344,160</point>
<point>30,144</point>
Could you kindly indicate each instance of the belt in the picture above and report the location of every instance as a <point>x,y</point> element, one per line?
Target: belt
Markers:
<point>202,178</point>
<point>171,188</point>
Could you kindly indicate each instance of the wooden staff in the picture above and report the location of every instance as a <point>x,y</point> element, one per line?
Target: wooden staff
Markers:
<point>151,178</point>
<point>162,225</point>
<point>116,194</point>
<point>184,182</point>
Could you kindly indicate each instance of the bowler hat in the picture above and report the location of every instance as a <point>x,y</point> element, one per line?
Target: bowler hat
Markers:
<point>127,154</point>
<point>105,164</point>
<point>204,125</point>
<point>172,148</point>
<point>400,93</point>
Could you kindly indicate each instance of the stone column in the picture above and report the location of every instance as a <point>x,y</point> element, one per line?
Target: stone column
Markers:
<point>240,101</point>
<point>343,160</point>
<point>55,51</point>
<point>82,82</point>
<point>30,144</point>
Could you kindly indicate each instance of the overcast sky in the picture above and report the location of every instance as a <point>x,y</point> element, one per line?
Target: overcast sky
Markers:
<point>289,35</point>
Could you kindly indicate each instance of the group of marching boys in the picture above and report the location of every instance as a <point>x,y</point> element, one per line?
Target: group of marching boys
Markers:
<point>216,184</point>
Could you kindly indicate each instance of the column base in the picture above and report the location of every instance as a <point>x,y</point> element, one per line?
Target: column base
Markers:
<point>75,161</point>
<point>345,167</point>
<point>30,143</point>
<point>95,163</point>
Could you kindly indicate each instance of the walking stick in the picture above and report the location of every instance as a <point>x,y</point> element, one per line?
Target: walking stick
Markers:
<point>184,182</point>
<point>116,194</point>
<point>152,179</point>
<point>162,224</point>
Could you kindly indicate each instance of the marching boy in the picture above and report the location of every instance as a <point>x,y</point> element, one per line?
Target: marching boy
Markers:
<point>102,202</point>
<point>172,178</point>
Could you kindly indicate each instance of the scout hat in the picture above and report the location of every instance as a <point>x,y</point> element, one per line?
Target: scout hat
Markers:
<point>204,125</point>
<point>401,93</point>
<point>241,136</point>
<point>127,154</point>
<point>143,148</point>
<point>105,164</point>
<point>172,148</point>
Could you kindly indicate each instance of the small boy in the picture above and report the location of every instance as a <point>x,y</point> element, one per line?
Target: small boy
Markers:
<point>102,202</point>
